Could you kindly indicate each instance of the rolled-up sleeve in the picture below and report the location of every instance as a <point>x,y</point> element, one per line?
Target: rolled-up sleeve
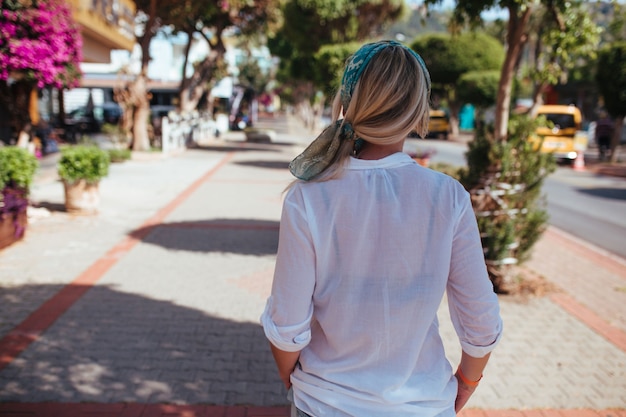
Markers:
<point>474,307</point>
<point>288,312</point>
<point>291,338</point>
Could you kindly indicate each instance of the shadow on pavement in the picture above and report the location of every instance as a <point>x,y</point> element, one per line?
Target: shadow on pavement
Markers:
<point>57,207</point>
<point>277,164</point>
<point>608,193</point>
<point>113,346</point>
<point>239,236</point>
<point>239,146</point>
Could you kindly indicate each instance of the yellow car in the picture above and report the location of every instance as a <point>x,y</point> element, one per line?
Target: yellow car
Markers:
<point>439,124</point>
<point>561,136</point>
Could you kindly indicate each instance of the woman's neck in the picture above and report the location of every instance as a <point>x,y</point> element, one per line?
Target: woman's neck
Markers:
<point>371,151</point>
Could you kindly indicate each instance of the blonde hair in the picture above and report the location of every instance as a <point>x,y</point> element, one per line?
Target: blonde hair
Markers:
<point>390,100</point>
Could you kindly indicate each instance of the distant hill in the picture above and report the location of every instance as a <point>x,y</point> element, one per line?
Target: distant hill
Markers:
<point>417,23</point>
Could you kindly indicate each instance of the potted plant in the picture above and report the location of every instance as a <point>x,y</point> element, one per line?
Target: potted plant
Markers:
<point>81,167</point>
<point>17,171</point>
<point>422,156</point>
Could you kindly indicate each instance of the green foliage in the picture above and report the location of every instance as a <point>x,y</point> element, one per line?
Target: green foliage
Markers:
<point>119,155</point>
<point>17,167</point>
<point>612,16</point>
<point>311,24</point>
<point>478,87</point>
<point>448,169</point>
<point>564,43</point>
<point>83,162</point>
<point>330,61</point>
<point>115,132</point>
<point>448,57</point>
<point>251,75</point>
<point>611,77</point>
<point>504,179</point>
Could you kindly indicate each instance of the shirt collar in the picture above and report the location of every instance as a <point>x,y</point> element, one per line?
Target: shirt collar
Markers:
<point>392,161</point>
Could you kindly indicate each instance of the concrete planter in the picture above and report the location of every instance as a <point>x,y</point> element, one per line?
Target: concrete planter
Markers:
<point>12,228</point>
<point>81,197</point>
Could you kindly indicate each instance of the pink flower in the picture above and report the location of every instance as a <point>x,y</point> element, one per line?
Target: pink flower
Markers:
<point>42,42</point>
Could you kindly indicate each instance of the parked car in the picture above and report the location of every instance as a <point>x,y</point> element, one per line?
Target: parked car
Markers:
<point>158,111</point>
<point>439,124</point>
<point>89,119</point>
<point>561,135</point>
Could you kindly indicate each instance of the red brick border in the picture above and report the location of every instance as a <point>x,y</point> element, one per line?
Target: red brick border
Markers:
<point>603,259</point>
<point>591,319</point>
<point>163,410</point>
<point>607,260</point>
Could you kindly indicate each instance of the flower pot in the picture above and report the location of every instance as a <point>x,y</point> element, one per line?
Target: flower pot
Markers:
<point>425,162</point>
<point>12,228</point>
<point>81,197</point>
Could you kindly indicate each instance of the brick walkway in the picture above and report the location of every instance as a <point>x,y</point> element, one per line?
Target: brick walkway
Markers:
<point>167,312</point>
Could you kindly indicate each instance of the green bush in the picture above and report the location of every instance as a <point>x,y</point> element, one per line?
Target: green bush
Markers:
<point>82,162</point>
<point>504,179</point>
<point>119,155</point>
<point>17,167</point>
<point>448,169</point>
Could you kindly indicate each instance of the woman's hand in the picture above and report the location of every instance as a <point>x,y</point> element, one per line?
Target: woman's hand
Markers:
<point>286,362</point>
<point>463,394</point>
<point>468,375</point>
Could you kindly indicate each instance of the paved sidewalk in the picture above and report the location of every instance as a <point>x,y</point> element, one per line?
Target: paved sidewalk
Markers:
<point>152,306</point>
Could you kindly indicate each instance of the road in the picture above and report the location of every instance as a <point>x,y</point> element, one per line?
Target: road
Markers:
<point>585,205</point>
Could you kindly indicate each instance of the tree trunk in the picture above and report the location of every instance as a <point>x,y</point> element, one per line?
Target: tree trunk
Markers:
<point>21,111</point>
<point>193,88</point>
<point>137,90</point>
<point>16,99</point>
<point>139,96</point>
<point>615,140</point>
<point>516,38</point>
<point>455,108</point>
<point>537,98</point>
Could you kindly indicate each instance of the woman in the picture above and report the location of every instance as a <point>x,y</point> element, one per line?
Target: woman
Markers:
<point>369,242</point>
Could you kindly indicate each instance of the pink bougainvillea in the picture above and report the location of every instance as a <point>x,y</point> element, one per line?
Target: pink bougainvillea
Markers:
<point>39,41</point>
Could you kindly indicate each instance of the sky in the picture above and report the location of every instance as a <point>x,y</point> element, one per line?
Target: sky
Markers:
<point>449,4</point>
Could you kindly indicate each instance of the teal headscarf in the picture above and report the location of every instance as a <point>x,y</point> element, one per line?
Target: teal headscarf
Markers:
<point>322,152</point>
<point>359,61</point>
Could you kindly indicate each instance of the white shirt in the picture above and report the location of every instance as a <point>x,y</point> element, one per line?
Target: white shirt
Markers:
<point>363,263</point>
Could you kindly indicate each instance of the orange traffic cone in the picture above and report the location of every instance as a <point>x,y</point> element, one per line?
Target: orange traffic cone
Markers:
<point>579,162</point>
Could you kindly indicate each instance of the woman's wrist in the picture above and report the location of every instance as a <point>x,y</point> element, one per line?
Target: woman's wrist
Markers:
<point>465,380</point>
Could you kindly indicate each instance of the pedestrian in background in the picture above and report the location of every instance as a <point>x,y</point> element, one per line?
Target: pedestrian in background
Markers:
<point>369,242</point>
<point>603,134</point>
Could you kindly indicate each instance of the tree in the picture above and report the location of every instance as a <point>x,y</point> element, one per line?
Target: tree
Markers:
<point>329,62</point>
<point>616,28</point>
<point>449,57</point>
<point>611,81</point>
<point>40,46</point>
<point>133,97</point>
<point>479,88</point>
<point>509,209</point>
<point>562,42</point>
<point>501,164</point>
<point>517,36</point>
<point>311,24</point>
<point>208,19</point>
